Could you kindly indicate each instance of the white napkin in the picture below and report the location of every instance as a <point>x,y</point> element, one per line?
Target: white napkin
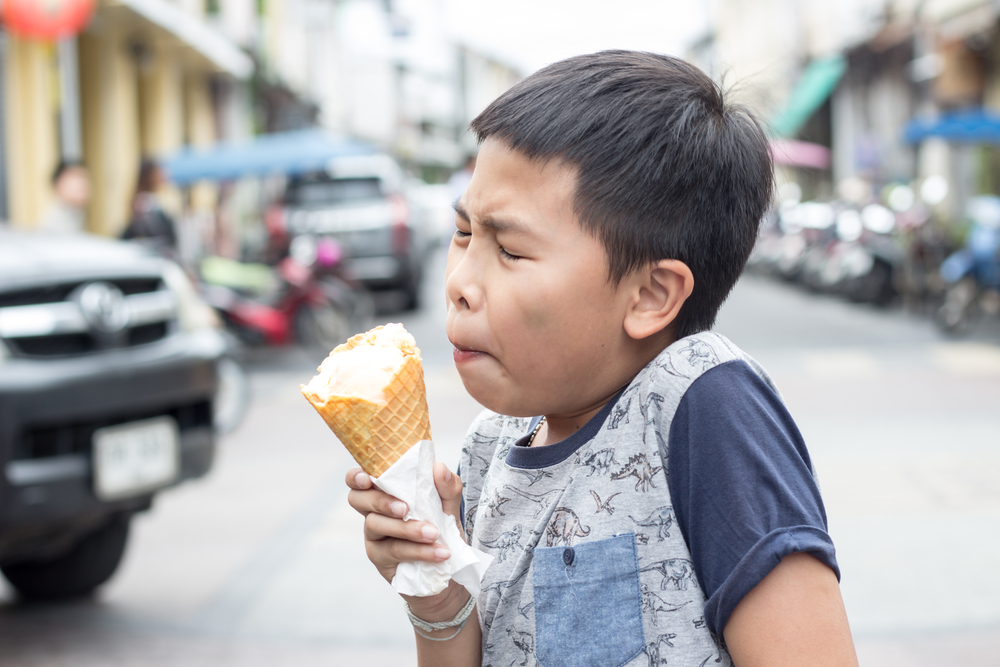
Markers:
<point>411,479</point>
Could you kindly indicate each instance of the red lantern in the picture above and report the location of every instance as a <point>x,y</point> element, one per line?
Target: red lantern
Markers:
<point>46,19</point>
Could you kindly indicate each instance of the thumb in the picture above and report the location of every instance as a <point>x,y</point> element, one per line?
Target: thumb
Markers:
<point>449,487</point>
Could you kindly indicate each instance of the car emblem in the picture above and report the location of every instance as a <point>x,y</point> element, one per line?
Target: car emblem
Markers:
<point>103,306</point>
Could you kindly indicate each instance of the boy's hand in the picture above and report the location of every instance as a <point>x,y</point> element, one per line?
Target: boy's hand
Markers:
<point>389,540</point>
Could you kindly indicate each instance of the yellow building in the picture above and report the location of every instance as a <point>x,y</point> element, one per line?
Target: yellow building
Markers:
<point>136,82</point>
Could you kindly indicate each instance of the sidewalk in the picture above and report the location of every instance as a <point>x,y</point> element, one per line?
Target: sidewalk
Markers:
<point>959,648</point>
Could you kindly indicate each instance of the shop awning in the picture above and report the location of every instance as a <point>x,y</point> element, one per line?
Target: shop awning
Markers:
<point>970,126</point>
<point>196,34</point>
<point>286,153</point>
<point>811,91</point>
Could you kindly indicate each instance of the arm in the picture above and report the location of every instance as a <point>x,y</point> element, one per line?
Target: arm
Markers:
<point>794,616</point>
<point>389,541</point>
<point>742,487</point>
<point>465,650</point>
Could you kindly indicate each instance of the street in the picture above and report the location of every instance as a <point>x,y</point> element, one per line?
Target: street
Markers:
<point>262,562</point>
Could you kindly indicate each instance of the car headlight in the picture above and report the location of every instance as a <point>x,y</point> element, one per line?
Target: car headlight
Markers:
<point>192,313</point>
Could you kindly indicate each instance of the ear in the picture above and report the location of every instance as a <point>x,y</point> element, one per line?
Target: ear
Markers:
<point>658,293</point>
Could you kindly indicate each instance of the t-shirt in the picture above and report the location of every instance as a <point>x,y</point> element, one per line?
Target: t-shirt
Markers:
<point>632,541</point>
<point>62,219</point>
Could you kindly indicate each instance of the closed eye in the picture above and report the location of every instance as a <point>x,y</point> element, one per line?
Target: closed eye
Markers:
<point>507,255</point>
<point>459,234</point>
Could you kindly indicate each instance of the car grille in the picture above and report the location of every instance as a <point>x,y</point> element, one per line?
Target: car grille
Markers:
<point>75,438</point>
<point>61,292</point>
<point>61,320</point>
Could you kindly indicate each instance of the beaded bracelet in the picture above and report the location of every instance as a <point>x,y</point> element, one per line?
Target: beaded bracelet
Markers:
<point>460,619</point>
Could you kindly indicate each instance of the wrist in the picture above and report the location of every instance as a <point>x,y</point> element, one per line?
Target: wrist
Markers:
<point>441,607</point>
<point>435,631</point>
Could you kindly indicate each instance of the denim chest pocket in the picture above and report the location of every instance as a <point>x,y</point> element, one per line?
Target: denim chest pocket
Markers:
<point>588,607</point>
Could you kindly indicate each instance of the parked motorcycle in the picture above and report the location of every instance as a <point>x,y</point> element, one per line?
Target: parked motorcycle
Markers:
<point>972,274</point>
<point>274,306</point>
<point>348,296</point>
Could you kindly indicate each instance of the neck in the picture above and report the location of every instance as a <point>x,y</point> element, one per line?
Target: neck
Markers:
<point>558,427</point>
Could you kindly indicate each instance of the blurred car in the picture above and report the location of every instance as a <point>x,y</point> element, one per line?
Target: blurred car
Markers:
<point>436,204</point>
<point>108,373</point>
<point>361,202</point>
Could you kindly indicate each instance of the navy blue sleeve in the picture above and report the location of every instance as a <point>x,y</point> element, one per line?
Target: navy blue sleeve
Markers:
<point>742,486</point>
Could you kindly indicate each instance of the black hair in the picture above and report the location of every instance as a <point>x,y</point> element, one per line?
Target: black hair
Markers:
<point>666,168</point>
<point>63,166</point>
<point>148,172</point>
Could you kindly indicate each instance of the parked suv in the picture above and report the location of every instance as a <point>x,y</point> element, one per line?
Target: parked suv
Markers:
<point>360,201</point>
<point>108,369</point>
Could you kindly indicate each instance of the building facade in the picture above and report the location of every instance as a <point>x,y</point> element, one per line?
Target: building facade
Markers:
<point>137,81</point>
<point>901,60</point>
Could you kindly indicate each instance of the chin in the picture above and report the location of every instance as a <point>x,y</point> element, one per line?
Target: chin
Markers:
<point>484,392</point>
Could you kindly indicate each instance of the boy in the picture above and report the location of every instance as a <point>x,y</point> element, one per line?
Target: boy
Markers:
<point>662,509</point>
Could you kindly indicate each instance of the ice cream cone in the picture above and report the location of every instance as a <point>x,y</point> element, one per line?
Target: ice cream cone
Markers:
<point>377,422</point>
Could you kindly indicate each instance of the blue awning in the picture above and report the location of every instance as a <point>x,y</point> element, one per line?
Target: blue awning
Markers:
<point>286,153</point>
<point>971,126</point>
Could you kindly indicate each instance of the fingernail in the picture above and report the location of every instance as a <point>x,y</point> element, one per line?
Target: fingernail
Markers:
<point>398,508</point>
<point>429,532</point>
<point>447,475</point>
<point>361,479</point>
<point>443,554</point>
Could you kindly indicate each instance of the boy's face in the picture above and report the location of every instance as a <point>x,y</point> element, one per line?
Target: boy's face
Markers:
<point>536,325</point>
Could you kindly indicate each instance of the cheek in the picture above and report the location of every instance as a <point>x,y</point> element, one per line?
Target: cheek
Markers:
<point>523,303</point>
<point>537,318</point>
<point>562,304</point>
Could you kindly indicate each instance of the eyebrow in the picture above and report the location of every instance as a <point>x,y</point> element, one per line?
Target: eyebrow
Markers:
<point>495,224</point>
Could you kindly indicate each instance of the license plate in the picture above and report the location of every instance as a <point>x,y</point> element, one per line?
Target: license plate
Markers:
<point>135,458</point>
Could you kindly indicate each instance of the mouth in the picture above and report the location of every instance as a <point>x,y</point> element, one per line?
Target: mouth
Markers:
<point>464,354</point>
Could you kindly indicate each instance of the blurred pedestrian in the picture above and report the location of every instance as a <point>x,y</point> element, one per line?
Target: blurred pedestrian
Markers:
<point>67,213</point>
<point>149,222</point>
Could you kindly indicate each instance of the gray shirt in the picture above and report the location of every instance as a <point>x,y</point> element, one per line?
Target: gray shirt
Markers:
<point>591,566</point>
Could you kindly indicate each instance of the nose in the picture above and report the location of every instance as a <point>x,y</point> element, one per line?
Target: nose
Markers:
<point>462,281</point>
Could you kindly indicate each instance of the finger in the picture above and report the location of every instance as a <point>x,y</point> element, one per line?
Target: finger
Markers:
<point>376,500</point>
<point>387,554</point>
<point>449,487</point>
<point>357,478</point>
<point>379,527</point>
<point>448,484</point>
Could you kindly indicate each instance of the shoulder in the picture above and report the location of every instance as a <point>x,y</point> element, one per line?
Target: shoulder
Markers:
<point>683,367</point>
<point>732,417</point>
<point>687,359</point>
<point>732,403</point>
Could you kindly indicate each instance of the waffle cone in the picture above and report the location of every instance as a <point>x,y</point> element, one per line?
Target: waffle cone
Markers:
<point>377,434</point>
